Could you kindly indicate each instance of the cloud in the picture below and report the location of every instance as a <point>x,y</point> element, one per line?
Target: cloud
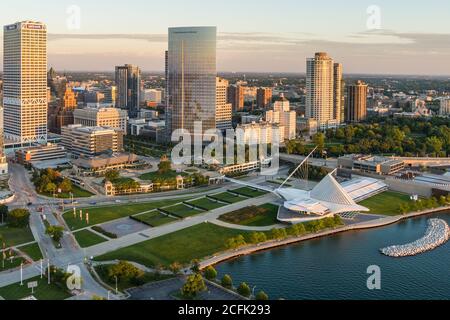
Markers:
<point>373,51</point>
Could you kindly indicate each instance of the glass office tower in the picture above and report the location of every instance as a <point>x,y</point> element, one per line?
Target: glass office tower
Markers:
<point>191,78</point>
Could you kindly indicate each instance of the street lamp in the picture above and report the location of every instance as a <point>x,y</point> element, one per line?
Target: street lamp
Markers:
<point>117,288</point>
<point>253,291</point>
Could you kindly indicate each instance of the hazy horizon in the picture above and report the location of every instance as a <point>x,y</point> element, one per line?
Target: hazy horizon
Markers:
<point>253,36</point>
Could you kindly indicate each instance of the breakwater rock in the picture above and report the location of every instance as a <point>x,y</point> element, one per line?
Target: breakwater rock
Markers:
<point>438,233</point>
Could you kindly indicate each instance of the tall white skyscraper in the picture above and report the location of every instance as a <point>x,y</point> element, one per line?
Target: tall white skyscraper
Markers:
<point>25,82</point>
<point>324,90</point>
<point>191,64</point>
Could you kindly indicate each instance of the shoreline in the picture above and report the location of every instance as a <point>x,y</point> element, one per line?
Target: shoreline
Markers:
<point>270,245</point>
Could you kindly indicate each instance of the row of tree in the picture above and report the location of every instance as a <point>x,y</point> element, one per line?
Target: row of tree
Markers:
<point>297,230</point>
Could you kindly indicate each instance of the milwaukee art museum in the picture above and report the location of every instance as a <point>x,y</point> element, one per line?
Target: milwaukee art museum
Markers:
<point>327,199</point>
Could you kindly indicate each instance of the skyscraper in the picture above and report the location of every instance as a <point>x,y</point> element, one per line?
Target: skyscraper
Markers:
<point>264,98</point>
<point>324,90</point>
<point>25,82</point>
<point>223,108</point>
<point>192,78</point>
<point>236,97</point>
<point>356,110</point>
<point>128,82</point>
<point>339,96</point>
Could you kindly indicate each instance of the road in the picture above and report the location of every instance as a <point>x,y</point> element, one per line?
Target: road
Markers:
<point>71,254</point>
<point>329,163</point>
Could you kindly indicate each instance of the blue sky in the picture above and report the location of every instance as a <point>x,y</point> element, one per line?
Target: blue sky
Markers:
<point>254,35</point>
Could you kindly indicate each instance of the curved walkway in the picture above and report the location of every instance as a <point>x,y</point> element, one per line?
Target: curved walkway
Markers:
<point>245,228</point>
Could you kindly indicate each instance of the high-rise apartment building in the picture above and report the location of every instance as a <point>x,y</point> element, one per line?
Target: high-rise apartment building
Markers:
<point>264,98</point>
<point>191,78</point>
<point>236,96</point>
<point>128,82</point>
<point>25,82</point>
<point>324,90</point>
<point>224,110</point>
<point>339,96</point>
<point>356,109</point>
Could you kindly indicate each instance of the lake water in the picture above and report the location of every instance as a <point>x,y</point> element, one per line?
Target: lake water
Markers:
<point>336,267</point>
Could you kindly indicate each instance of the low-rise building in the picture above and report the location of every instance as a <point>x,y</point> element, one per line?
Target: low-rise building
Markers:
<point>91,141</point>
<point>40,153</point>
<point>371,164</point>
<point>97,166</point>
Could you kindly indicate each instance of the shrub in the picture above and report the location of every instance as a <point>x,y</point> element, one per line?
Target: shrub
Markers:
<point>227,282</point>
<point>104,232</point>
<point>262,296</point>
<point>244,290</point>
<point>210,273</point>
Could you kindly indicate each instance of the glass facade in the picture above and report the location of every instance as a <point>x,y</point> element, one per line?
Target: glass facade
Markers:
<point>191,78</point>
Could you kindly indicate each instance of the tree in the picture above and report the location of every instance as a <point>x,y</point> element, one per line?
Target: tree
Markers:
<point>195,266</point>
<point>3,212</point>
<point>175,268</point>
<point>262,296</point>
<point>164,167</point>
<point>193,286</point>
<point>319,141</point>
<point>236,242</point>
<point>50,187</point>
<point>279,234</point>
<point>258,237</point>
<point>227,282</point>
<point>66,186</point>
<point>112,175</point>
<point>210,273</point>
<point>124,271</point>
<point>55,232</point>
<point>244,290</point>
<point>298,230</point>
<point>19,218</point>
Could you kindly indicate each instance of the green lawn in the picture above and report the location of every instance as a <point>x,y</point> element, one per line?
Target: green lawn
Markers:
<point>183,246</point>
<point>14,236</point>
<point>101,215</point>
<point>77,193</point>
<point>16,262</point>
<point>102,272</point>
<point>154,219</point>
<point>33,251</point>
<point>207,204</point>
<point>87,238</point>
<point>387,203</point>
<point>42,292</point>
<point>182,211</point>
<point>166,176</point>
<point>227,197</point>
<point>263,216</point>
<point>249,192</point>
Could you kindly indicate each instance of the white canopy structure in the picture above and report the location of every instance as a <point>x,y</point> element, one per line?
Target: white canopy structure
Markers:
<point>327,198</point>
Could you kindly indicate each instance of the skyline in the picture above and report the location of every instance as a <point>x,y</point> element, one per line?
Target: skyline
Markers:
<point>251,38</point>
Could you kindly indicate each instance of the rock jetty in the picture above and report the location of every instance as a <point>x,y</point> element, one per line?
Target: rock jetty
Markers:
<point>438,233</point>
